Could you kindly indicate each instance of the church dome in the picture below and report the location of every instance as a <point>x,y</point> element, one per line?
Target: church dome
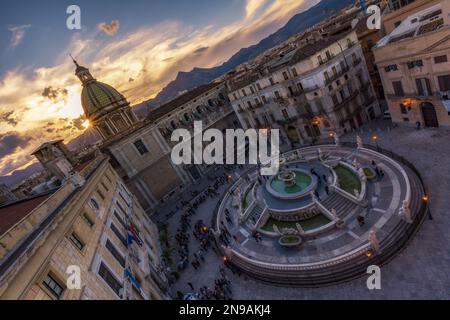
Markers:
<point>97,96</point>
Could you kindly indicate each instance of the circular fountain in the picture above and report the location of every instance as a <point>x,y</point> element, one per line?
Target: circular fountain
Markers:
<point>291,184</point>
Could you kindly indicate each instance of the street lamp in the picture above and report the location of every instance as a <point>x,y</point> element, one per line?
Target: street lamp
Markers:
<point>426,199</point>
<point>375,139</point>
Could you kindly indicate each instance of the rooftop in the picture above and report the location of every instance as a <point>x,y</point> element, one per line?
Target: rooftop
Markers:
<point>419,23</point>
<point>159,112</point>
<point>14,212</point>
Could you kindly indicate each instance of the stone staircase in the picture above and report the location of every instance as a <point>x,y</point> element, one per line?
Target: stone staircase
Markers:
<point>398,236</point>
<point>254,215</point>
<point>342,205</point>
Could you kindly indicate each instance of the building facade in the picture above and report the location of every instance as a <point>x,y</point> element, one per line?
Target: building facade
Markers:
<point>309,92</point>
<point>414,65</point>
<point>140,149</point>
<point>91,226</point>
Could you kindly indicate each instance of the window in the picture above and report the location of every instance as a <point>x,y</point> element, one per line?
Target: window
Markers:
<point>277,94</point>
<point>102,196</point>
<point>121,208</point>
<point>244,92</point>
<point>76,241</point>
<point>140,146</point>
<point>328,54</point>
<point>294,72</point>
<point>94,204</point>
<point>234,96</point>
<point>319,58</point>
<point>398,88</point>
<point>391,67</point>
<point>108,178</point>
<point>115,253</point>
<point>423,86</point>
<point>123,198</point>
<point>440,59</point>
<point>258,86</point>
<point>264,99</point>
<point>444,83</point>
<point>285,114</point>
<point>252,90</point>
<point>256,101</point>
<point>300,87</point>
<point>285,75</point>
<point>249,103</point>
<point>119,235</point>
<point>414,64</point>
<point>120,219</point>
<point>403,109</point>
<point>271,81</point>
<point>104,186</point>
<point>330,88</point>
<point>334,71</point>
<point>342,94</point>
<point>53,285</point>
<point>88,220</point>
<point>335,99</point>
<point>109,278</point>
<point>291,91</point>
<point>326,76</point>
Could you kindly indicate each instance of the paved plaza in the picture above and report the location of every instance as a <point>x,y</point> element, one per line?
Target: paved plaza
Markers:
<point>420,271</point>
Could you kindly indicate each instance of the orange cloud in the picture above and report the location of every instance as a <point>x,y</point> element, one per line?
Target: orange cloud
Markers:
<point>47,101</point>
<point>111,28</point>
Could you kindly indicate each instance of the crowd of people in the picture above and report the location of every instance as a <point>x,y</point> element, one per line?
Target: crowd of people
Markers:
<point>204,239</point>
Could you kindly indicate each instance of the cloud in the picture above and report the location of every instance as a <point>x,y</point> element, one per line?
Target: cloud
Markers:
<point>253,6</point>
<point>11,141</point>
<point>151,55</point>
<point>110,29</point>
<point>18,33</point>
<point>8,118</point>
<point>54,94</point>
<point>78,123</point>
<point>201,49</point>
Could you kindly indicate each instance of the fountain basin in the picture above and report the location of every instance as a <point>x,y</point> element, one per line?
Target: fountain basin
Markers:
<point>291,184</point>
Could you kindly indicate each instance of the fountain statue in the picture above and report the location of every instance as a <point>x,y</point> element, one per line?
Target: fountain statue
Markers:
<point>405,212</point>
<point>359,142</point>
<point>374,241</point>
<point>336,138</point>
<point>288,177</point>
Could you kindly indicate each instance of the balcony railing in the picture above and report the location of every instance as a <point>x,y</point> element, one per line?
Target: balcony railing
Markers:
<point>344,102</point>
<point>310,89</point>
<point>336,76</point>
<point>356,62</point>
<point>415,95</point>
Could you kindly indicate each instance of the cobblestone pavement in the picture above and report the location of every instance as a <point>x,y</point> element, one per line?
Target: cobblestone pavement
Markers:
<point>420,271</point>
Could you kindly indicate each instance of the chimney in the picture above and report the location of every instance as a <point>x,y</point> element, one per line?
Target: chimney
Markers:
<point>58,162</point>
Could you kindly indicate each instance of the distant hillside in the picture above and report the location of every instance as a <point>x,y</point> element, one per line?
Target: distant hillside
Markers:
<point>19,175</point>
<point>298,23</point>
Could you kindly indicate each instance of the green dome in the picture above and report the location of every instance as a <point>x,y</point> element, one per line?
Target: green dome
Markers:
<point>97,96</point>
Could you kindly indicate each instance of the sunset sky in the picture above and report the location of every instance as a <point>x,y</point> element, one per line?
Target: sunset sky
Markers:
<point>135,46</point>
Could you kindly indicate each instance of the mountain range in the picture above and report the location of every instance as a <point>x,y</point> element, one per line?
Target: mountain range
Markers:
<point>298,23</point>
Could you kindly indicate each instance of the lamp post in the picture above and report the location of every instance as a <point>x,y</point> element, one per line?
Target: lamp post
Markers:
<point>375,139</point>
<point>426,199</point>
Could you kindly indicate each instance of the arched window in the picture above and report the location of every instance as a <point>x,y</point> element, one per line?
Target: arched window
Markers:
<point>94,204</point>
